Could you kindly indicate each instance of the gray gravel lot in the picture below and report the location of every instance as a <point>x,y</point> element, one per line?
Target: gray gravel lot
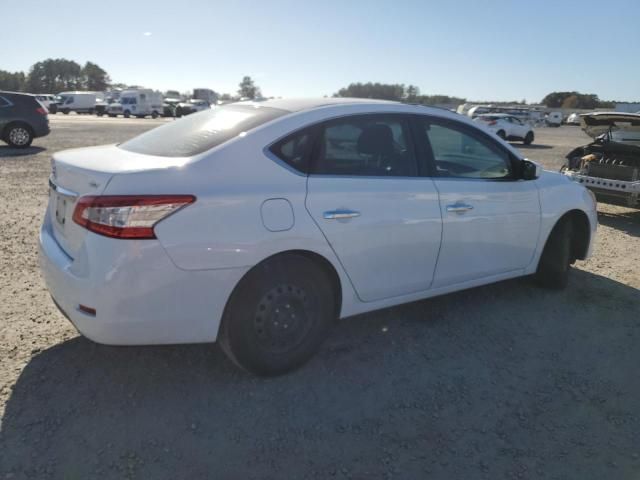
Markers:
<point>503,381</point>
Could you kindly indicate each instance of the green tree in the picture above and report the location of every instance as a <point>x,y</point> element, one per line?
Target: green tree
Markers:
<point>573,100</point>
<point>12,81</point>
<point>379,91</point>
<point>54,75</point>
<point>94,77</point>
<point>248,88</point>
<point>411,94</point>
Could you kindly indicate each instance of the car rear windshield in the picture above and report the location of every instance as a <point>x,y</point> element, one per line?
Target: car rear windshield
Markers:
<point>202,131</point>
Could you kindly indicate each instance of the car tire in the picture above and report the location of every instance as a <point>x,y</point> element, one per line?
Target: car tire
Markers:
<point>554,265</point>
<point>501,134</point>
<point>154,114</point>
<point>278,315</point>
<point>528,138</point>
<point>127,114</point>
<point>18,135</point>
<point>65,111</point>
<point>112,115</point>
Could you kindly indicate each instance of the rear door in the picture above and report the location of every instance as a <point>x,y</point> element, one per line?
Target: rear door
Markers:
<point>380,217</point>
<point>491,219</point>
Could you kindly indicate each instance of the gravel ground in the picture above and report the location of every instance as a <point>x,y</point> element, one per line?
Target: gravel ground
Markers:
<point>503,381</point>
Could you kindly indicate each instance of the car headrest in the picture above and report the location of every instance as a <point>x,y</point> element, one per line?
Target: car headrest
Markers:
<point>376,139</point>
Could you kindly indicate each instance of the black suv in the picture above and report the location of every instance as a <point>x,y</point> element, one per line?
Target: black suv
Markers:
<point>22,118</point>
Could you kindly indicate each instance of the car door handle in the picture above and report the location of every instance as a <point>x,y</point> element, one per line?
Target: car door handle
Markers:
<point>459,208</point>
<point>340,214</point>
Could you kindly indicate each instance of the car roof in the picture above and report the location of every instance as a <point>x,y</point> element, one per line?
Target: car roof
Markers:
<point>301,104</point>
<point>495,115</point>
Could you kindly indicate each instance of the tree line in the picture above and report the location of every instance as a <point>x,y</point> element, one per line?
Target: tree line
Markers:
<point>59,74</point>
<point>54,75</point>
<point>575,100</point>
<point>397,92</point>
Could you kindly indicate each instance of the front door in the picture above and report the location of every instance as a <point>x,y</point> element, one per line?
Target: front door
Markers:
<point>491,219</point>
<point>381,219</point>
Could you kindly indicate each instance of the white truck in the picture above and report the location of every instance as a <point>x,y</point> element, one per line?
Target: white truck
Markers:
<point>79,102</point>
<point>139,103</point>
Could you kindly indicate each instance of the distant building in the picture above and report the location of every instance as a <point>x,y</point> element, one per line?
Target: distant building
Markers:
<point>628,107</point>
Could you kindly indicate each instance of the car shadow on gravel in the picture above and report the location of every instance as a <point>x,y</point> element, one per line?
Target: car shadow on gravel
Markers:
<point>502,381</point>
<point>627,221</point>
<point>6,151</point>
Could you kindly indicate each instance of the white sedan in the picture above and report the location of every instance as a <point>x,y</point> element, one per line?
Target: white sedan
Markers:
<point>259,224</point>
<point>507,127</point>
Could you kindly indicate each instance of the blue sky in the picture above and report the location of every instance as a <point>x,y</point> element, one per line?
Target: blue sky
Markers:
<point>482,50</point>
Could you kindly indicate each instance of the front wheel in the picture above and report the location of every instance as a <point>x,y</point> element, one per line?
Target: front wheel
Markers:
<point>554,265</point>
<point>278,315</point>
<point>502,134</point>
<point>154,114</point>
<point>19,136</point>
<point>127,114</point>
<point>528,138</point>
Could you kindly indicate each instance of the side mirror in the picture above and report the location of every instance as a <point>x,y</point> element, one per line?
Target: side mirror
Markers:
<point>530,170</point>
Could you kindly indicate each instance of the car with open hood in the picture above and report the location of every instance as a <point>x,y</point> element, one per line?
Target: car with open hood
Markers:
<point>610,165</point>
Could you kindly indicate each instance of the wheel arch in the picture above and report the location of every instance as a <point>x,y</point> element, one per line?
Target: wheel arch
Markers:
<point>582,232</point>
<point>319,260</point>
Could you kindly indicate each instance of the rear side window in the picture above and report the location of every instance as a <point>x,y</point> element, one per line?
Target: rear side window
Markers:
<point>366,145</point>
<point>201,131</point>
<point>295,150</point>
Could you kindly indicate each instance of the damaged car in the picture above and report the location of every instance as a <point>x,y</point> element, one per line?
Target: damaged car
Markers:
<point>610,165</point>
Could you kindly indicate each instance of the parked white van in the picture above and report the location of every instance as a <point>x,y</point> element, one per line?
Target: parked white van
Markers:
<point>139,103</point>
<point>553,119</point>
<point>79,102</point>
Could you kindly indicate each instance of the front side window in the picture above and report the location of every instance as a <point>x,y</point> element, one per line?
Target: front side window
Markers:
<point>201,131</point>
<point>367,145</point>
<point>458,152</point>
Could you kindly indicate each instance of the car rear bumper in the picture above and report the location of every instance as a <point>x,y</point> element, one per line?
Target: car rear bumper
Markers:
<point>139,295</point>
<point>41,129</point>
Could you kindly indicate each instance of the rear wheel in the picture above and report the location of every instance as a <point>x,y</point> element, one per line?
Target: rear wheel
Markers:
<point>502,134</point>
<point>554,265</point>
<point>278,315</point>
<point>19,136</point>
<point>528,138</point>
<point>127,114</point>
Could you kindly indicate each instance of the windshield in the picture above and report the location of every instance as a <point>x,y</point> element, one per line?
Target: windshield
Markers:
<point>202,131</point>
<point>626,136</point>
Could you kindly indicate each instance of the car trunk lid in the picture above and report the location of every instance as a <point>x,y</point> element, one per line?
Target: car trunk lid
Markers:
<point>87,171</point>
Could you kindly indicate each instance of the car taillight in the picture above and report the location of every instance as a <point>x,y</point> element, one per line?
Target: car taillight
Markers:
<point>127,216</point>
<point>41,110</point>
